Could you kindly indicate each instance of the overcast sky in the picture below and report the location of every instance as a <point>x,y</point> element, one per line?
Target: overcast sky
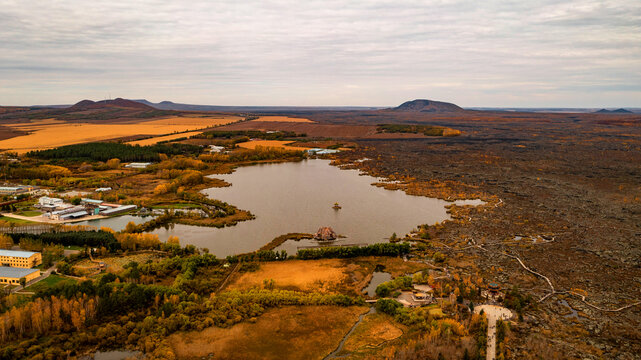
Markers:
<point>581,53</point>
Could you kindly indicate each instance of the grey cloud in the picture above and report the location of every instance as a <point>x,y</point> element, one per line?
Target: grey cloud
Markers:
<point>322,52</point>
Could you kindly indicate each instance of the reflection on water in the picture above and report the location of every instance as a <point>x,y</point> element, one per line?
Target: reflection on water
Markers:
<point>116,223</point>
<point>378,278</point>
<point>573,313</point>
<point>298,197</point>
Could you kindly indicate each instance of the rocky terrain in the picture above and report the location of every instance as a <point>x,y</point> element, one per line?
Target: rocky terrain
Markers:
<point>569,178</point>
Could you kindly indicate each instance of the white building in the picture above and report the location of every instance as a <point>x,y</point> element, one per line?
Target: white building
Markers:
<point>216,149</point>
<point>137,165</point>
<point>103,189</point>
<point>50,202</point>
<point>318,151</point>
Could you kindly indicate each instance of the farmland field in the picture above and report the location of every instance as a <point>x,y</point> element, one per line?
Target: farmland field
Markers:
<point>157,139</point>
<point>282,119</point>
<point>50,133</point>
<point>282,144</point>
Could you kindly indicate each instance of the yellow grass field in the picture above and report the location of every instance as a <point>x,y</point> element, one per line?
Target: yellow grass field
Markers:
<point>157,139</point>
<point>282,119</point>
<point>375,330</point>
<point>50,133</point>
<point>267,143</point>
<point>292,332</point>
<point>306,275</point>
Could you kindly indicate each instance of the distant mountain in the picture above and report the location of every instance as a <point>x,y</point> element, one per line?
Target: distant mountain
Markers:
<point>617,111</point>
<point>168,105</point>
<point>428,106</point>
<point>116,103</point>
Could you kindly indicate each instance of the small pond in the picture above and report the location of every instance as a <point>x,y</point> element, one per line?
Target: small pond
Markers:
<point>573,313</point>
<point>378,277</point>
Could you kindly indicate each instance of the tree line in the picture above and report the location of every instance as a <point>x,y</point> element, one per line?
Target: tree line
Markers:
<point>99,238</point>
<point>426,130</point>
<point>381,249</point>
<point>105,151</point>
<point>248,134</point>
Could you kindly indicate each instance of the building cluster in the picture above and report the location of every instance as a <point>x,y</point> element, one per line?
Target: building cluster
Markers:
<point>319,151</point>
<point>18,189</point>
<point>57,209</point>
<point>216,149</point>
<point>18,264</point>
<point>421,295</point>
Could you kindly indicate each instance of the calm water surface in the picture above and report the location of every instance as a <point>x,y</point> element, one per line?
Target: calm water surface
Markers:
<point>378,277</point>
<point>116,223</point>
<point>298,197</point>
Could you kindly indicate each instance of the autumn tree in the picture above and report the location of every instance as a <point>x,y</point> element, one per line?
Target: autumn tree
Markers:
<point>6,242</point>
<point>173,240</point>
<point>113,163</point>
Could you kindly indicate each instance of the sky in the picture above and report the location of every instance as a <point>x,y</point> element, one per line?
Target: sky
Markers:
<point>582,53</point>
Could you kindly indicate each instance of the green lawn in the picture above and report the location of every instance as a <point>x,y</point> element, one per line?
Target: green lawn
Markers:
<point>16,221</point>
<point>30,213</point>
<point>50,281</point>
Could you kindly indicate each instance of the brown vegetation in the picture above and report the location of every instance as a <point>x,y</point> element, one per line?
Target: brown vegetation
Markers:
<point>374,331</point>
<point>291,332</point>
<point>565,176</point>
<point>327,275</point>
<point>268,143</point>
<point>282,119</point>
<point>157,139</point>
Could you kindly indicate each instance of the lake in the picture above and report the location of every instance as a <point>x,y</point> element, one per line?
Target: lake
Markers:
<point>298,197</point>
